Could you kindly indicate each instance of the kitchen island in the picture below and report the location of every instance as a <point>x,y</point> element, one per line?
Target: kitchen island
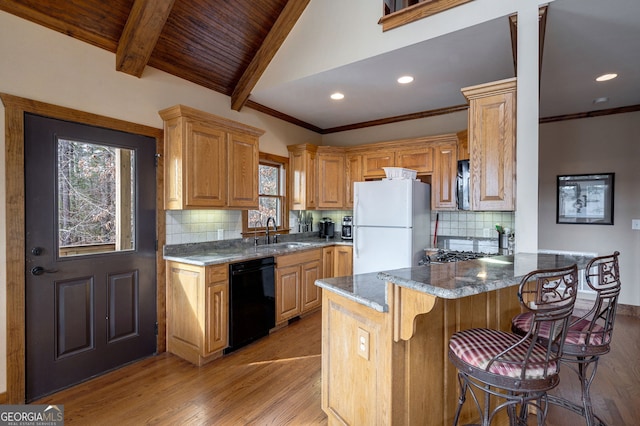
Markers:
<point>385,335</point>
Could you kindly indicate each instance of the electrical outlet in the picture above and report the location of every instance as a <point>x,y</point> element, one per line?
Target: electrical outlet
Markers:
<point>635,224</point>
<point>363,343</point>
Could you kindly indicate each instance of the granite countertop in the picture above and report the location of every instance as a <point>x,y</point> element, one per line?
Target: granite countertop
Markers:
<point>448,280</point>
<point>228,251</point>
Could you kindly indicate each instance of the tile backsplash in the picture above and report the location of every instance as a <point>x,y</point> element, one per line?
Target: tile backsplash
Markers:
<point>195,226</point>
<point>471,224</point>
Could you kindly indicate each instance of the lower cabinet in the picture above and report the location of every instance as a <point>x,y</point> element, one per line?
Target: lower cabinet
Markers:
<point>197,311</point>
<point>296,292</point>
<point>337,261</point>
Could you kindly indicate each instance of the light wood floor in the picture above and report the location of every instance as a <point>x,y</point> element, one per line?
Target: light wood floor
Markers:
<point>276,381</point>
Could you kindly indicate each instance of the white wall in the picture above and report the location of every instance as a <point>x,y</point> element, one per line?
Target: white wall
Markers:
<point>41,64</point>
<point>595,145</point>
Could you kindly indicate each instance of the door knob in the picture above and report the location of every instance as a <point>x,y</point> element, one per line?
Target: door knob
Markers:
<point>39,270</point>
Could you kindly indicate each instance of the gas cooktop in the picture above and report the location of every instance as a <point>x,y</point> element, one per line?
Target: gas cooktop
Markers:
<point>445,256</point>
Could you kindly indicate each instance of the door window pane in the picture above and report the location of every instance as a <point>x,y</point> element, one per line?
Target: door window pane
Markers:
<point>95,198</point>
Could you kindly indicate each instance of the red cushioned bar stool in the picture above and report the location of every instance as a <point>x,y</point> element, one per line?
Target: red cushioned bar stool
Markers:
<point>589,335</point>
<point>517,370</point>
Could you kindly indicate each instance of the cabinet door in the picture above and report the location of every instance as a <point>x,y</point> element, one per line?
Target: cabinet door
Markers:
<point>243,171</point>
<point>216,312</point>
<point>372,163</point>
<point>288,281</point>
<point>492,109</point>
<point>354,174</point>
<point>419,159</point>
<point>311,293</point>
<point>331,173</point>
<point>302,180</point>
<point>184,332</point>
<point>443,184</point>
<point>343,261</point>
<point>328,254</point>
<point>204,167</point>
<point>216,319</point>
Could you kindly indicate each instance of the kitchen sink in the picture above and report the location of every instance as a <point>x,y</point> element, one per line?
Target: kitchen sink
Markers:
<point>280,246</point>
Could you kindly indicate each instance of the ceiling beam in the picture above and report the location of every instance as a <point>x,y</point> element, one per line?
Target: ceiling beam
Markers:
<point>272,42</point>
<point>140,34</point>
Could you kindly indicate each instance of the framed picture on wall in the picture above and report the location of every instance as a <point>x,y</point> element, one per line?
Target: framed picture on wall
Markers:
<point>585,199</point>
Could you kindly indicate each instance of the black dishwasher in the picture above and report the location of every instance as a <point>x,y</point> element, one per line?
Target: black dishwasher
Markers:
<point>252,301</point>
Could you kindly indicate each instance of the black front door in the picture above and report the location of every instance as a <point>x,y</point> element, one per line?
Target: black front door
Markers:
<point>91,256</point>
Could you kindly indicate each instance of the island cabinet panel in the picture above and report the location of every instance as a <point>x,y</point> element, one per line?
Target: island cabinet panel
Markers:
<point>331,176</point>
<point>392,367</point>
<point>492,144</point>
<point>197,311</point>
<point>296,292</point>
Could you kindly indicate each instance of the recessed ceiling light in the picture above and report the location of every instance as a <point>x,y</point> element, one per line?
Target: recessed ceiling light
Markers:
<point>605,77</point>
<point>337,96</point>
<point>600,100</point>
<point>405,79</point>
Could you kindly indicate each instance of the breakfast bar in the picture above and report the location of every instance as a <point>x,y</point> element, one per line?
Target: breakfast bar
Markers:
<point>385,335</point>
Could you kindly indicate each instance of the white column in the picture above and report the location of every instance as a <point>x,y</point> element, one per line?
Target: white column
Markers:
<point>526,217</point>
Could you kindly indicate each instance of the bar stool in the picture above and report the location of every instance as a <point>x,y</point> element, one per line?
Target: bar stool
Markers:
<point>589,335</point>
<point>517,369</point>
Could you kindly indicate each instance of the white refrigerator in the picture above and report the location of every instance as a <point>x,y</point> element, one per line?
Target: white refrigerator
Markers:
<point>391,224</point>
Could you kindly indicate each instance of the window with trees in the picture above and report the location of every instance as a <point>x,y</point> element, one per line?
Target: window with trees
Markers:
<point>272,200</point>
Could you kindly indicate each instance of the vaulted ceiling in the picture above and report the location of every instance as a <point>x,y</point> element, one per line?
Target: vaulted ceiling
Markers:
<point>221,45</point>
<point>226,45</point>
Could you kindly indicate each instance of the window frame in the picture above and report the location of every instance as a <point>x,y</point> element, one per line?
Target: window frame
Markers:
<point>283,228</point>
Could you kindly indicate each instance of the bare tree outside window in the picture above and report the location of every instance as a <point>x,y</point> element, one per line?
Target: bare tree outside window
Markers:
<point>89,190</point>
<point>270,198</point>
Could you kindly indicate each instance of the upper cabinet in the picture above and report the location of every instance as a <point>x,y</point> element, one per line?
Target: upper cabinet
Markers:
<point>492,144</point>
<point>331,172</point>
<point>303,175</point>
<point>211,162</point>
<point>443,181</point>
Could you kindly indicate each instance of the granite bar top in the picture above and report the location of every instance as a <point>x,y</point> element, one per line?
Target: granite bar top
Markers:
<point>238,250</point>
<point>451,280</point>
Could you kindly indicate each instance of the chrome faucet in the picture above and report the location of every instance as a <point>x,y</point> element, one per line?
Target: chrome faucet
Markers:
<point>275,229</point>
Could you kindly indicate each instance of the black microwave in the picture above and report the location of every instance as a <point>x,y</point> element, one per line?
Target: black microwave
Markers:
<point>462,193</point>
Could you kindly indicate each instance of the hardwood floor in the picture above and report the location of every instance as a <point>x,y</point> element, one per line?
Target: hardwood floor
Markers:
<point>276,381</point>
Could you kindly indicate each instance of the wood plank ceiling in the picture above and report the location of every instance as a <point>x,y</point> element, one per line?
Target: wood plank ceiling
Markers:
<point>222,45</point>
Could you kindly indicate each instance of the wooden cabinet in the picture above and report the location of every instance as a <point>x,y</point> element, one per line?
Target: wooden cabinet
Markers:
<point>354,174</point>
<point>296,292</point>
<point>443,182</point>
<point>331,175</point>
<point>303,177</point>
<point>373,162</point>
<point>492,144</point>
<point>418,159</point>
<point>463,145</point>
<point>197,311</point>
<point>343,261</point>
<point>337,261</point>
<point>211,162</point>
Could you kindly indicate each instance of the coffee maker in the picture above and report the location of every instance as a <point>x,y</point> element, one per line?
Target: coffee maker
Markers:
<point>327,228</point>
<point>347,227</point>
